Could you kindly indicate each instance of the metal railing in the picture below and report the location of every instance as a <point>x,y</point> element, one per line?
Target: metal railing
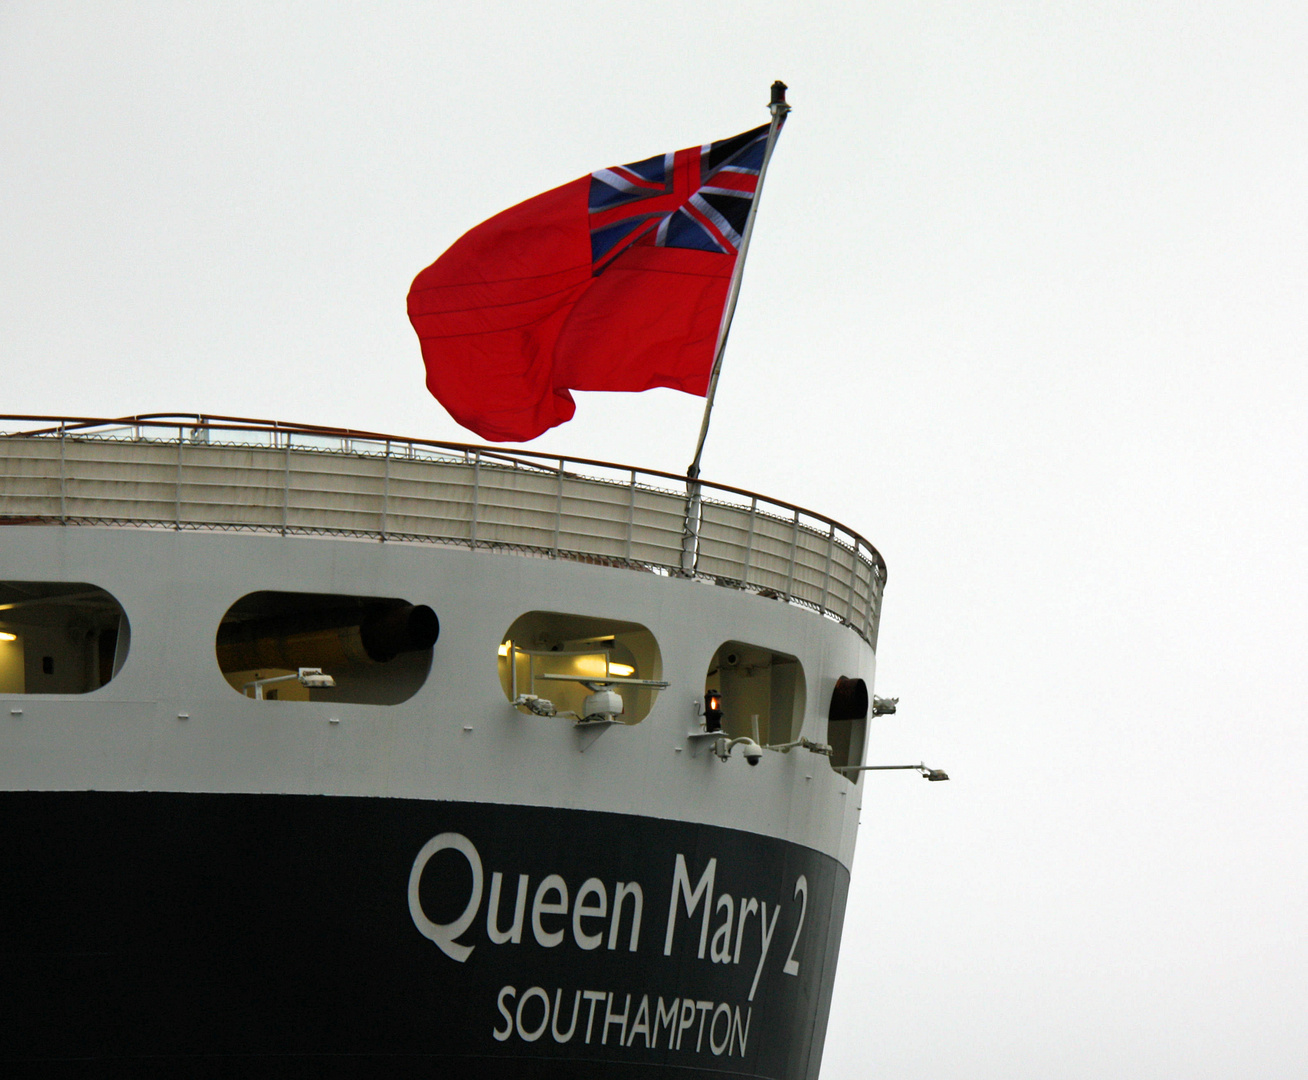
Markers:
<point>219,472</point>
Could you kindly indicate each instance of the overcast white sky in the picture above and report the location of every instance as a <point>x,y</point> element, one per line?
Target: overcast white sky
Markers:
<point>1026,306</point>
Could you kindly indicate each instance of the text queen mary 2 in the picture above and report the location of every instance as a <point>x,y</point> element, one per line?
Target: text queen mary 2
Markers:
<point>334,753</point>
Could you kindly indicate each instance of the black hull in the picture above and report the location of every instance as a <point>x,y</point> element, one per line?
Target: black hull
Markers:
<point>280,935</point>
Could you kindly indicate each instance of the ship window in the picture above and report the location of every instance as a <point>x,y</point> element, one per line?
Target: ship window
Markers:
<point>847,724</point>
<point>544,652</point>
<point>376,650</point>
<point>59,637</point>
<point>762,692</point>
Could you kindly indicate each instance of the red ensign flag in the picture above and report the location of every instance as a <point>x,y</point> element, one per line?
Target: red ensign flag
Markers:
<point>615,281</point>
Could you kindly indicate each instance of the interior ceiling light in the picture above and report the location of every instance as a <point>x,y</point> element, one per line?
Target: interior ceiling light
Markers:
<point>8,637</point>
<point>591,666</point>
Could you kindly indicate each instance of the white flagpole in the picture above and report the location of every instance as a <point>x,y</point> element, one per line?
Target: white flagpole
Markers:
<point>690,542</point>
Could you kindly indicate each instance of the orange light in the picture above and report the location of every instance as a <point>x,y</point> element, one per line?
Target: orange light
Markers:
<point>712,710</point>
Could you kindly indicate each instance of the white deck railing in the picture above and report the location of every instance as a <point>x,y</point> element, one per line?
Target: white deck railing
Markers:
<point>206,472</point>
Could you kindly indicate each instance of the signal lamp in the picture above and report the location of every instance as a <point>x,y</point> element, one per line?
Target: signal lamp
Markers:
<point>712,711</point>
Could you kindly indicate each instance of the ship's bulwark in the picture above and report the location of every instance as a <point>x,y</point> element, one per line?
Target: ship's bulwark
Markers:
<point>152,933</point>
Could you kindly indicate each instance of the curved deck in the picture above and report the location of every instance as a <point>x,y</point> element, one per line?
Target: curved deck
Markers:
<point>228,473</point>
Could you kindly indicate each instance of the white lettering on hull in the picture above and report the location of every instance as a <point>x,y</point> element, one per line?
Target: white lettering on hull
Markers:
<point>689,1024</point>
<point>556,910</point>
<point>444,934</point>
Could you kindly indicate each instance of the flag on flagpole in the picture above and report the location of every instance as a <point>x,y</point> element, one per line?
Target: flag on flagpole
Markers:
<point>615,281</point>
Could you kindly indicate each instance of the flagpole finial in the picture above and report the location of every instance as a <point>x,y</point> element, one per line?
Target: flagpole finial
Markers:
<point>779,94</point>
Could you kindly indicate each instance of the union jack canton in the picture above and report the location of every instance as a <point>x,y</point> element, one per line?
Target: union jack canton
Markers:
<point>697,198</point>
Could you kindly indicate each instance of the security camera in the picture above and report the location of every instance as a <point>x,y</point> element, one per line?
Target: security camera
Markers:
<point>604,704</point>
<point>752,752</point>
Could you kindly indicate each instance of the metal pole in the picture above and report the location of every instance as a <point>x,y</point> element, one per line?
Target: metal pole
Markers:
<point>63,478</point>
<point>853,585</point>
<point>177,494</point>
<point>386,489</point>
<point>631,514</point>
<point>690,528</point>
<point>826,573</point>
<point>558,511</point>
<point>286,483</point>
<point>794,547</point>
<point>476,493</point>
<point>749,543</point>
<point>779,109</point>
<point>690,543</point>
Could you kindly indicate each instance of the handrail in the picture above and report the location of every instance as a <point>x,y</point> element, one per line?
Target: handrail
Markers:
<point>562,507</point>
<point>216,422</point>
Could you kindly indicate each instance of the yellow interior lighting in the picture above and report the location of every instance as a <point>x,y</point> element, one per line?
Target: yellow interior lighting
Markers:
<point>621,670</point>
<point>591,667</point>
<point>8,637</point>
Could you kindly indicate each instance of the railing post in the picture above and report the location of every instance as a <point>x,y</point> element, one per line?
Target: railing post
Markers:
<point>749,541</point>
<point>853,586</point>
<point>869,619</point>
<point>286,483</point>
<point>386,488</point>
<point>63,481</point>
<point>476,493</point>
<point>177,490</point>
<point>631,513</point>
<point>794,546</point>
<point>558,510</point>
<point>826,573</point>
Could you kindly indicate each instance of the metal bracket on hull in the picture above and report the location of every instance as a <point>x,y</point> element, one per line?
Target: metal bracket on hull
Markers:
<point>698,739</point>
<point>590,730</point>
<point>807,744</point>
<point>927,774</point>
